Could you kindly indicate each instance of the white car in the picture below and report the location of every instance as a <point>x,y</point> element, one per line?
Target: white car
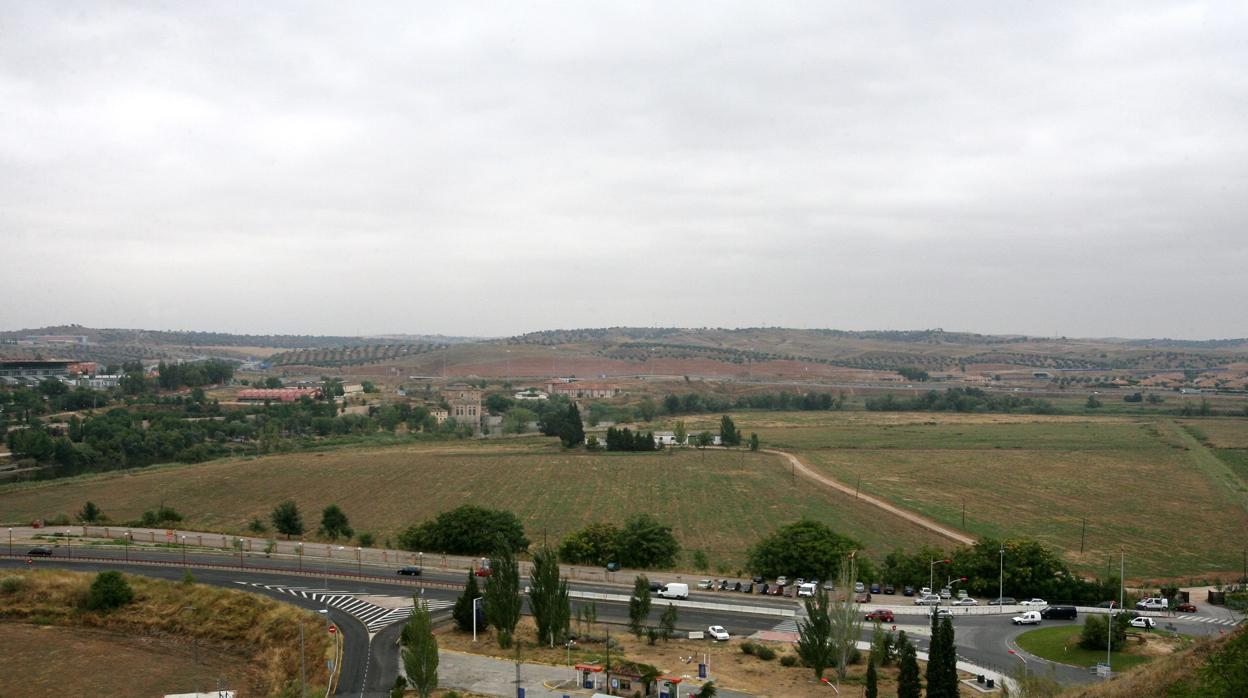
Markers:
<point>925,591</point>
<point>704,584</point>
<point>946,593</point>
<point>1028,618</point>
<point>1033,602</point>
<point>966,601</point>
<point>717,633</point>
<point>859,587</point>
<point>927,600</point>
<point>782,580</point>
<point>940,612</point>
<point>1143,622</point>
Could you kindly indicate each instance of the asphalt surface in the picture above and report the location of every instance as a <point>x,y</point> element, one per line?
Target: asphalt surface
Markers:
<point>370,665</point>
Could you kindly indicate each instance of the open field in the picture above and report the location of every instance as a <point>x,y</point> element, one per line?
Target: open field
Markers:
<point>717,502</point>
<point>1219,433</point>
<point>1144,485</point>
<point>1061,644</point>
<point>60,661</point>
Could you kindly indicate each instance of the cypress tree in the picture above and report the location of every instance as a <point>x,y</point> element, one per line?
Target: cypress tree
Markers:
<point>872,690</point>
<point>908,685</point>
<point>949,672</point>
<point>463,611</point>
<point>936,687</point>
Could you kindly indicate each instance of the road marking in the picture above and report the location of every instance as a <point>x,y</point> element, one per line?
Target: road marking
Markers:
<point>373,617</point>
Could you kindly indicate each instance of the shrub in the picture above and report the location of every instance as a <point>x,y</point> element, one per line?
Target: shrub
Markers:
<point>747,647</point>
<point>765,653</point>
<point>789,660</point>
<point>367,539</point>
<point>468,530</point>
<point>109,590</point>
<point>12,584</point>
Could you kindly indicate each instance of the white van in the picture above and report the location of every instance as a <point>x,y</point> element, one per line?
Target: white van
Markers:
<point>1028,618</point>
<point>674,590</point>
<point>807,589</point>
<point>1153,603</point>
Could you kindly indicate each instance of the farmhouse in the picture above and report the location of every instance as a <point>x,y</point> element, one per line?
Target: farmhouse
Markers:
<point>465,402</point>
<point>583,390</point>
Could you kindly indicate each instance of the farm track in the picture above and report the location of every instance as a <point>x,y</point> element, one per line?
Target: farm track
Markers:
<point>917,519</point>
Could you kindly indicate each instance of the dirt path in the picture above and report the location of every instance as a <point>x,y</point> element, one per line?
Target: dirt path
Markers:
<point>811,474</point>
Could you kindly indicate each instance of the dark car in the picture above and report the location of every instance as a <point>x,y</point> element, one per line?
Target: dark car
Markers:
<point>1108,604</point>
<point>613,567</point>
<point>1059,613</point>
<point>736,586</point>
<point>888,589</point>
<point>655,586</point>
<point>883,615</point>
<point>1002,601</point>
<point>1186,608</point>
<point>775,590</point>
<point>763,588</point>
<point>875,588</point>
<point>40,552</point>
<point>908,591</point>
<point>759,579</point>
<point>410,571</point>
<point>748,587</point>
<point>864,597</point>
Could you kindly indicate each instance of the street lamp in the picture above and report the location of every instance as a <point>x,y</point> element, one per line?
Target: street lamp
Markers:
<point>422,563</point>
<point>184,551</point>
<point>128,536</point>
<point>474,617</point>
<point>358,569</point>
<point>1001,578</point>
<point>299,549</point>
<point>1109,639</point>
<point>69,544</point>
<point>931,572</point>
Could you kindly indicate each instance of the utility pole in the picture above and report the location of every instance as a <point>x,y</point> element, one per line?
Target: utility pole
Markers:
<point>1083,536</point>
<point>964,513</point>
<point>1122,582</point>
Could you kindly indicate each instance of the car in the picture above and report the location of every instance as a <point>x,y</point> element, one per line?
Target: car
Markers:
<point>1108,604</point>
<point>883,615</point>
<point>674,590</point>
<point>613,567</point>
<point>484,571</point>
<point>859,587</point>
<point>1153,603</point>
<point>927,600</point>
<point>39,552</point>
<point>747,588</point>
<point>1034,602</point>
<point>655,586</point>
<point>1027,618</point>
<point>940,612</point>
<point>724,585</point>
<point>1143,622</point>
<point>775,590</point>
<point>925,591</point>
<point>907,590</point>
<point>946,593</point>
<point>759,579</point>
<point>788,592</point>
<point>736,586</point>
<point>888,589</point>
<point>864,597</point>
<point>875,588</point>
<point>1186,608</point>
<point>782,580</point>
<point>1059,613</point>
<point>705,584</point>
<point>764,588</point>
<point>1002,601</point>
<point>829,586</point>
<point>807,589</point>
<point>410,571</point>
<point>966,601</point>
<point>717,633</point>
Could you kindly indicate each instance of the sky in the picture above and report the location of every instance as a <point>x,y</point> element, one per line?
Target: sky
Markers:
<point>488,169</point>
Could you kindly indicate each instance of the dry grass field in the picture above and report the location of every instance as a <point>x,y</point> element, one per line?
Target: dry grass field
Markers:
<point>716,502</point>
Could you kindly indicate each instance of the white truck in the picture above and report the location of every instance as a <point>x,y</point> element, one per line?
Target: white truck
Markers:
<point>807,589</point>
<point>1027,618</point>
<point>674,590</point>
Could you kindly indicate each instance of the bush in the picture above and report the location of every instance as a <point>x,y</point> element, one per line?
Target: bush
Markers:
<point>109,590</point>
<point>789,660</point>
<point>466,530</point>
<point>765,653</point>
<point>12,584</point>
<point>747,647</point>
<point>366,540</point>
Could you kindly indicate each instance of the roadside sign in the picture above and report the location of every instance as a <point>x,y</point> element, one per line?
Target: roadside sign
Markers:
<point>333,629</point>
<point>168,534</point>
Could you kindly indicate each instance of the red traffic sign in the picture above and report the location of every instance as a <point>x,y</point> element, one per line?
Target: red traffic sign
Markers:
<point>332,630</point>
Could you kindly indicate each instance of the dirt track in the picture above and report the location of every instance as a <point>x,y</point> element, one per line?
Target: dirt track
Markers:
<point>910,516</point>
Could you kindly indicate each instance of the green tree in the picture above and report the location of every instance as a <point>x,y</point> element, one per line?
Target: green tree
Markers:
<point>872,690</point>
<point>109,590</point>
<point>334,523</point>
<point>90,513</point>
<point>908,683</point>
<point>464,609</point>
<point>667,621</point>
<point>639,605</point>
<point>753,442</point>
<point>704,439</point>
<point>1093,403</point>
<point>502,595</point>
<point>1225,674</point>
<point>646,409</point>
<point>466,530</point>
<point>805,548</point>
<point>596,544</point>
<point>728,434</point>
<point>846,621</point>
<point>572,433</point>
<point>942,671</point>
<point>680,433</point>
<point>548,597</point>
<point>814,634</point>
<point>287,520</point>
<point>420,651</point>
<point>1096,633</point>
<point>644,542</point>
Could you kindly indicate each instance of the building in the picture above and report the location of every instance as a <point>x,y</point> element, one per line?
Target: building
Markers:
<point>580,389</point>
<point>34,369</point>
<point>465,403</point>
<point>438,413</point>
<point>100,381</point>
<point>668,438</point>
<point>77,339</point>
<point>277,394</point>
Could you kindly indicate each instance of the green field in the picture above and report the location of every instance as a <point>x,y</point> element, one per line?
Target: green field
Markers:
<point>716,502</point>
<point>1144,485</point>
<point>1061,644</point>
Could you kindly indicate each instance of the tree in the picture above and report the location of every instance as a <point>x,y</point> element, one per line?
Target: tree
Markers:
<point>287,520</point>
<point>639,605</point>
<point>872,690</point>
<point>502,595</point>
<point>466,530</point>
<point>805,548</point>
<point>1096,634</point>
<point>465,607</point>
<point>1093,403</point>
<point>420,651</point>
<point>846,621</point>
<point>680,433</point>
<point>646,409</point>
<point>548,597</point>
<point>109,590</point>
<point>946,677</point>
<point>728,434</point>
<point>753,442</point>
<point>667,621</point>
<point>572,431</point>
<point>334,523</point>
<point>596,544</point>
<point>814,634</point>
<point>644,542</point>
<point>908,683</point>
<point>704,439</point>
<point>935,660</point>
<point>90,513</point>
<point>708,690</point>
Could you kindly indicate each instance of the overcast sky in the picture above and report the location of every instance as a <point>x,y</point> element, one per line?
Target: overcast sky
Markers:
<point>495,168</point>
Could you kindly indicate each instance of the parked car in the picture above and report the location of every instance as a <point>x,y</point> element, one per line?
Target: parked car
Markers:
<point>613,567</point>
<point>759,579</point>
<point>748,588</point>
<point>723,585</point>
<point>705,584</point>
<point>1152,603</point>
<point>946,593</point>
<point>1034,602</point>
<point>799,581</point>
<point>859,587</point>
<point>1186,608</point>
<point>782,580</point>
<point>655,586</point>
<point>484,571</point>
<point>864,597</point>
<point>717,633</point>
<point>410,571</point>
<point>775,590</point>
<point>1143,622</point>
<point>881,614</point>
<point>39,552</point>
<point>788,592</point>
<point>939,611</point>
<point>1002,601</point>
<point>764,588</point>
<point>807,589</point>
<point>907,590</point>
<point>925,591</point>
<point>1059,613</point>
<point>875,588</point>
<point>829,586</point>
<point>1027,618</point>
<point>736,586</point>
<point>888,589</point>
<point>927,600</point>
<point>965,601</point>
<point>1108,604</point>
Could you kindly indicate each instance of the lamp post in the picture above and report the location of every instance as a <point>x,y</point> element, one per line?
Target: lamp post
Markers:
<point>931,572</point>
<point>183,551</point>
<point>1109,639</point>
<point>69,544</point>
<point>1001,579</point>
<point>299,550</point>
<point>421,567</point>
<point>128,537</point>
<point>358,568</point>
<point>474,617</point>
